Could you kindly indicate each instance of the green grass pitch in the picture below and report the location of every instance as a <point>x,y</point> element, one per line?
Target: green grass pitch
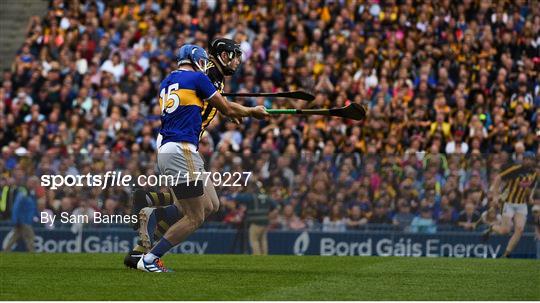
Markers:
<point>240,277</point>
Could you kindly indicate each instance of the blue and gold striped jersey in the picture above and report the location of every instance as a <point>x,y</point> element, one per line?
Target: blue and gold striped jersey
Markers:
<point>182,98</point>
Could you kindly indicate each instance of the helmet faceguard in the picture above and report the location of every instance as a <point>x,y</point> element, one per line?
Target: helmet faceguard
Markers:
<point>195,56</point>
<point>202,64</point>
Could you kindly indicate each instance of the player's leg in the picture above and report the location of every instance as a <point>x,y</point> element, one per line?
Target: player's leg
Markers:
<point>195,211</point>
<point>197,200</point>
<point>165,216</point>
<point>168,215</point>
<point>501,229</point>
<point>520,219</point>
<point>149,198</point>
<point>144,198</point>
<point>181,161</point>
<point>156,221</point>
<point>506,225</point>
<point>210,191</point>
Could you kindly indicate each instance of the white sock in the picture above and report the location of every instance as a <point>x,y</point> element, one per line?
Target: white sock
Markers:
<point>150,257</point>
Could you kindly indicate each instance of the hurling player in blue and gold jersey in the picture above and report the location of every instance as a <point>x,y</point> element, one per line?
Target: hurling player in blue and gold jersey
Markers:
<point>183,96</point>
<point>225,58</point>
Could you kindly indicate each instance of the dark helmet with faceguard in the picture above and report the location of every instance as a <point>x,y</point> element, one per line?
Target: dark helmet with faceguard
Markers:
<point>230,47</point>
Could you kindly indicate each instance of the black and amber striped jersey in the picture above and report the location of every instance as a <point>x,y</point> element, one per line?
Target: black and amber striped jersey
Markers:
<point>217,78</point>
<point>518,184</point>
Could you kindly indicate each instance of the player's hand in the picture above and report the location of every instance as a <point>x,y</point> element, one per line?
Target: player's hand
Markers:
<point>259,112</point>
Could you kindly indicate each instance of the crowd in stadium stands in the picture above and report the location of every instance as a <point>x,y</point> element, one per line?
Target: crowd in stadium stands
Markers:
<point>452,88</point>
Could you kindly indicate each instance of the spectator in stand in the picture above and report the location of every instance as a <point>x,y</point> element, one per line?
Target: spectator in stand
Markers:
<point>309,217</point>
<point>457,145</point>
<point>469,217</point>
<point>84,209</point>
<point>380,214</point>
<point>424,223</point>
<point>335,221</point>
<point>234,213</point>
<point>355,220</point>
<point>403,217</point>
<point>288,220</point>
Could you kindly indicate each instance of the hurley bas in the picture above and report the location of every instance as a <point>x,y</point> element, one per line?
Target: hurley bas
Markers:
<point>95,218</point>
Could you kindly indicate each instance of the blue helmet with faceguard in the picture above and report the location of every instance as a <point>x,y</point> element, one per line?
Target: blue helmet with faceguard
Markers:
<point>193,55</point>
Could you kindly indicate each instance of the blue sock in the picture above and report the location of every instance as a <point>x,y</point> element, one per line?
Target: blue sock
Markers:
<point>171,214</point>
<point>162,247</point>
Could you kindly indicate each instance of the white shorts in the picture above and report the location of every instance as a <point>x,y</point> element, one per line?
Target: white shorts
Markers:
<point>179,160</point>
<point>510,209</point>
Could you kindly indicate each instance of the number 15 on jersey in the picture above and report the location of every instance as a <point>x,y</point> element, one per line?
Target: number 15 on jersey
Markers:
<point>170,100</point>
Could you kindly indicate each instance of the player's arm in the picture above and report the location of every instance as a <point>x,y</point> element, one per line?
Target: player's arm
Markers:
<point>494,189</point>
<point>235,110</point>
<point>507,171</point>
<point>229,109</point>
